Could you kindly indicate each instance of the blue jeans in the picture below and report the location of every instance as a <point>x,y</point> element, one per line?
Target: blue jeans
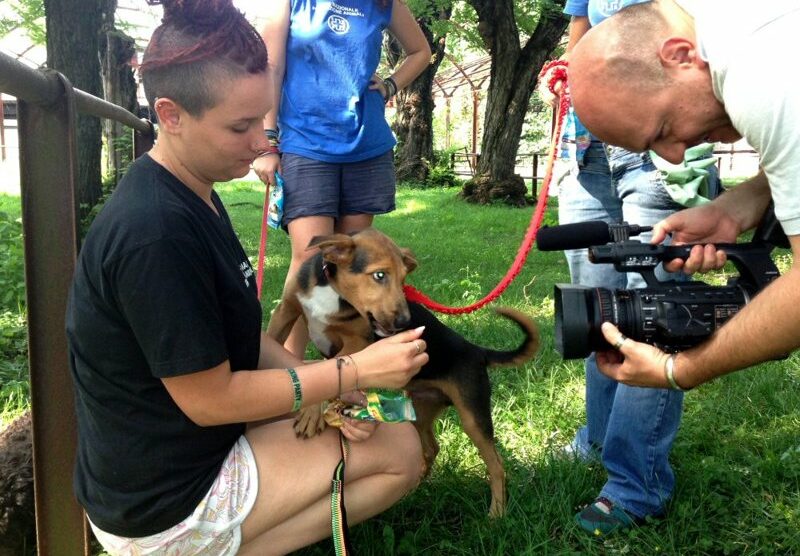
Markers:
<point>632,428</point>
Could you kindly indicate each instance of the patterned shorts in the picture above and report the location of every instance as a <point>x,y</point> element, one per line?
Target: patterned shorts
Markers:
<point>214,528</point>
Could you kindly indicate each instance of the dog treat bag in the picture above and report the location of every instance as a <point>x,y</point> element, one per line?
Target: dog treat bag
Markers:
<point>275,211</point>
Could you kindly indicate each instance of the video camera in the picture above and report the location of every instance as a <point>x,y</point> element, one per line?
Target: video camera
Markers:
<point>671,315</point>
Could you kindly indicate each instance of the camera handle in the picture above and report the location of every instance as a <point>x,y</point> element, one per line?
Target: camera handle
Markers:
<point>752,260</point>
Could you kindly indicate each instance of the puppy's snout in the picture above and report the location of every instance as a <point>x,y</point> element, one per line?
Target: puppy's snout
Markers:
<point>402,321</point>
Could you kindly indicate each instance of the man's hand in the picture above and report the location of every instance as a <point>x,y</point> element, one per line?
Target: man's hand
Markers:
<point>634,363</point>
<point>706,224</point>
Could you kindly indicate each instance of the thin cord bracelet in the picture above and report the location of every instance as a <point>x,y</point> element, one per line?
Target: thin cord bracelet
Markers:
<point>340,362</point>
<point>353,361</point>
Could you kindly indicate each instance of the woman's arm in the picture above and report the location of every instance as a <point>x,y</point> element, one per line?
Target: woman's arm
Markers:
<point>274,33</point>
<point>219,396</point>
<point>578,26</point>
<point>418,53</point>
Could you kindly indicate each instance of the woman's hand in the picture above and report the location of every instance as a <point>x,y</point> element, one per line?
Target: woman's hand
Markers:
<point>357,430</point>
<point>376,84</point>
<point>543,86</point>
<point>265,167</point>
<point>392,361</point>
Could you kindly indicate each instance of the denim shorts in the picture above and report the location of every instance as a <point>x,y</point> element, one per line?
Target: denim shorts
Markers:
<point>316,188</point>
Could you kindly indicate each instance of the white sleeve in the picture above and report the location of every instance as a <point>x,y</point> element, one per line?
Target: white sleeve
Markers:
<point>762,97</point>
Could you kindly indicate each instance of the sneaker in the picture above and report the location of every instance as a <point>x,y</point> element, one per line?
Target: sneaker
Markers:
<point>602,517</point>
<point>575,451</point>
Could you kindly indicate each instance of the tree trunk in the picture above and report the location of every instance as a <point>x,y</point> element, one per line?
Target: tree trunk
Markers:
<point>413,124</point>
<point>119,85</point>
<point>513,80</point>
<point>73,34</point>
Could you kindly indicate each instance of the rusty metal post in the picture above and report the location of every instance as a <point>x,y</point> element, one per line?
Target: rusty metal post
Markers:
<point>47,151</point>
<point>2,130</point>
<point>476,102</point>
<point>143,140</point>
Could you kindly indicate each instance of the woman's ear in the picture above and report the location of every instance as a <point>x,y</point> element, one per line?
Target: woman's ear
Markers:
<point>168,113</point>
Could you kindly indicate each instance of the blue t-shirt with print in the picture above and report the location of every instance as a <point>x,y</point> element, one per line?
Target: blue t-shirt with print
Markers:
<point>327,110</point>
<point>576,139</point>
<point>597,10</point>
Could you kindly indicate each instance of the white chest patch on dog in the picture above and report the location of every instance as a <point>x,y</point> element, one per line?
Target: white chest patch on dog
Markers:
<point>318,305</point>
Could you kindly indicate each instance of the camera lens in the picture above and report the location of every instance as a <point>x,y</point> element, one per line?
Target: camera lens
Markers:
<point>673,317</point>
<point>579,312</point>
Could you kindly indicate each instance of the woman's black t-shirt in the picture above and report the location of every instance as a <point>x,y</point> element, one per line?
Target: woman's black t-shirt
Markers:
<point>162,288</point>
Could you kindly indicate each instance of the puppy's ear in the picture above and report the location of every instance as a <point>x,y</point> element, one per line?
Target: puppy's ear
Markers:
<point>316,240</point>
<point>409,260</point>
<point>337,248</point>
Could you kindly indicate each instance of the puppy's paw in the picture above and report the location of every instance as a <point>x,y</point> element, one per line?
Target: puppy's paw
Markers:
<point>309,421</point>
<point>497,508</point>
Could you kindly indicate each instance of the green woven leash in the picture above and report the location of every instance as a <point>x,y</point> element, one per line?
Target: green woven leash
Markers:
<point>384,405</point>
<point>341,534</point>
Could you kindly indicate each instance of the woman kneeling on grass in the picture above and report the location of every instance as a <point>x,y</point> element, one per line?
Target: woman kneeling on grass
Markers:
<point>171,369</point>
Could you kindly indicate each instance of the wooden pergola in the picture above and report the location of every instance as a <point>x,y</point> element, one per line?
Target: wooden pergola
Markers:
<point>473,74</point>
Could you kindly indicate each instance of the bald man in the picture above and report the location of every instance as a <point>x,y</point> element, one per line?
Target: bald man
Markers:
<point>704,71</point>
<point>629,430</point>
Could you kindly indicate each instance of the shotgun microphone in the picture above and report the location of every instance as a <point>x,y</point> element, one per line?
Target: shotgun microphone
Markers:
<point>582,235</point>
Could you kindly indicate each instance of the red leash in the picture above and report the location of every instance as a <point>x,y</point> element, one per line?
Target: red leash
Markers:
<point>262,247</point>
<point>412,294</point>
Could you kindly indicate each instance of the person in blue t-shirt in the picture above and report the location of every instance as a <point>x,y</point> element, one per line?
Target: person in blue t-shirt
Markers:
<point>631,430</point>
<point>335,153</point>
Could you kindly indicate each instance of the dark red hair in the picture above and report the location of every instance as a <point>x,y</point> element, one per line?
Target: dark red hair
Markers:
<point>199,46</point>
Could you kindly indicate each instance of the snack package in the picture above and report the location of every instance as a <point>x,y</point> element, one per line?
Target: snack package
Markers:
<point>275,209</point>
<point>384,405</point>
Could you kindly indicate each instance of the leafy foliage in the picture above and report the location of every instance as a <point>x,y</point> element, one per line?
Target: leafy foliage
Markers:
<point>441,173</point>
<point>12,274</point>
<point>14,380</point>
<point>28,15</point>
<point>14,384</point>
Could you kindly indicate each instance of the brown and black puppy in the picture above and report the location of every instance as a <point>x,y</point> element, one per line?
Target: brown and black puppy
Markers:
<point>351,293</point>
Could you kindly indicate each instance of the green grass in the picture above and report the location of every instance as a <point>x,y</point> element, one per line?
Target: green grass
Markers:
<point>737,455</point>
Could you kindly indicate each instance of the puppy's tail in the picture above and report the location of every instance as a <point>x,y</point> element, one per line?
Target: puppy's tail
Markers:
<point>526,350</point>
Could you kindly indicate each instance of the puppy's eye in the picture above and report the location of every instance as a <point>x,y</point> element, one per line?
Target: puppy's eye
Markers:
<point>379,276</point>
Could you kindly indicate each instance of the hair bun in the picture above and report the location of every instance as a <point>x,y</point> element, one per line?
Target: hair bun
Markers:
<point>198,15</point>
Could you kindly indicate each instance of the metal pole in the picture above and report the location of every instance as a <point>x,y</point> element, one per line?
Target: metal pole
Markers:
<point>2,130</point>
<point>19,80</point>
<point>476,101</point>
<point>47,152</point>
<point>143,140</point>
